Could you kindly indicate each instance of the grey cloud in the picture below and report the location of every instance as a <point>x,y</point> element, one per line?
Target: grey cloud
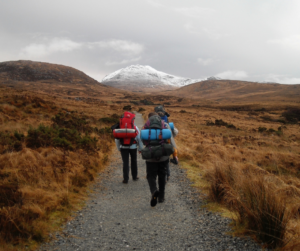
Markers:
<point>193,38</point>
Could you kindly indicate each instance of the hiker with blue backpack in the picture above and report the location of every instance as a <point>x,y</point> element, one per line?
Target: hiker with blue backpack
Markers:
<point>164,116</point>
<point>156,136</point>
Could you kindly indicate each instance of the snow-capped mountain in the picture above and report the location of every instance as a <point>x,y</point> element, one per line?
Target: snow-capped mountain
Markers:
<point>139,76</point>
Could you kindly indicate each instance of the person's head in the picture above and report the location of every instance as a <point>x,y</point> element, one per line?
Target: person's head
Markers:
<point>152,114</point>
<point>161,114</point>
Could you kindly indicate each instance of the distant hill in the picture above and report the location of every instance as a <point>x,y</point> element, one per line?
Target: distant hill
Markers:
<point>24,70</point>
<point>52,79</point>
<point>219,90</point>
<point>145,78</point>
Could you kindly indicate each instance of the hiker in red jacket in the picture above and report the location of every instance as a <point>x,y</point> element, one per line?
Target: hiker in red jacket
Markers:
<point>129,146</point>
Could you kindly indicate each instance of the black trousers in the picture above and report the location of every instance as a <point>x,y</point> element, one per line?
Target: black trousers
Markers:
<point>157,169</point>
<point>125,157</point>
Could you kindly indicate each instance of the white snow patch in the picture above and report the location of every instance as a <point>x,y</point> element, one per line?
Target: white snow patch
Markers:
<point>148,74</point>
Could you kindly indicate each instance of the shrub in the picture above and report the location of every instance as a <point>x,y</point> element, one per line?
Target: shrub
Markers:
<point>271,130</point>
<point>262,129</point>
<point>292,115</point>
<point>266,118</point>
<point>210,123</point>
<point>69,134</point>
<point>220,122</point>
<point>231,126</point>
<point>40,137</point>
<point>65,138</point>
<point>108,120</point>
<point>10,142</point>
<point>87,143</point>
<point>281,121</point>
<point>63,143</point>
<point>105,130</point>
<point>260,110</point>
<point>67,120</point>
<point>134,102</point>
<point>146,102</point>
<point>115,116</point>
<point>19,136</point>
<point>183,111</point>
<point>127,108</point>
<point>141,109</point>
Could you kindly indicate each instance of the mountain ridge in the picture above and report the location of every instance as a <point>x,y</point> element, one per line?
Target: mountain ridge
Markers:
<point>145,77</point>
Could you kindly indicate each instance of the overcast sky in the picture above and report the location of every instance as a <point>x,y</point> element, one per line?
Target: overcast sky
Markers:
<point>254,40</point>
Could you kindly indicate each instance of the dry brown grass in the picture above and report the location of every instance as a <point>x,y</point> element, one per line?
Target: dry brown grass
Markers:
<point>241,169</point>
<point>253,174</point>
<point>223,162</point>
<point>39,187</point>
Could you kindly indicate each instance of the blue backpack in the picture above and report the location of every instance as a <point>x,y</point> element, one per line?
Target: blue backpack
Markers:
<point>165,118</point>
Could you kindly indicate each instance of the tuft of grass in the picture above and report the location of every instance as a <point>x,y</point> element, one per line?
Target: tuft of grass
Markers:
<point>263,212</point>
<point>259,209</point>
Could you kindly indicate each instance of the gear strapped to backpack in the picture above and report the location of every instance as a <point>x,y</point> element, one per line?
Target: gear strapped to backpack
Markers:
<point>159,147</point>
<point>127,130</point>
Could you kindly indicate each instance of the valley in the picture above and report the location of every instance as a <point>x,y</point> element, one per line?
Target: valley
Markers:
<point>238,143</point>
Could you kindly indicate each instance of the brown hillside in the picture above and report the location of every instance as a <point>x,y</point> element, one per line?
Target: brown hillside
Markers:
<point>24,70</point>
<point>234,90</point>
<point>53,79</point>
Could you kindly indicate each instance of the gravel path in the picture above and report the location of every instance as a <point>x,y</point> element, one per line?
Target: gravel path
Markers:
<point>119,217</point>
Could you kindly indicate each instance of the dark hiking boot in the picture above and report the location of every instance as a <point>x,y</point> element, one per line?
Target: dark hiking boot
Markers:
<point>125,181</point>
<point>174,161</point>
<point>135,179</point>
<point>161,197</point>
<point>161,200</point>
<point>154,197</point>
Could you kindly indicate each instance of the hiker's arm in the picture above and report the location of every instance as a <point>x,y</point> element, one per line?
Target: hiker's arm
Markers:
<point>172,141</point>
<point>175,132</point>
<point>118,144</point>
<point>167,114</point>
<point>139,141</point>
